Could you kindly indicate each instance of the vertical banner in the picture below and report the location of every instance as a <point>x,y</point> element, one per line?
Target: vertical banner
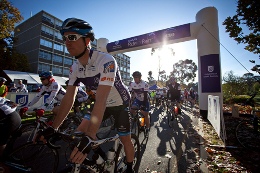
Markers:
<point>210,74</point>
<point>214,113</point>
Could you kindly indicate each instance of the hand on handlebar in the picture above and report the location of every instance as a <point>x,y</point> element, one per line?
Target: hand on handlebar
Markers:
<point>23,111</point>
<point>80,152</point>
<point>40,112</point>
<point>44,134</point>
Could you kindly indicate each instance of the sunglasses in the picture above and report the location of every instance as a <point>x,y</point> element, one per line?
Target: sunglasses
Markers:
<point>42,78</point>
<point>71,37</point>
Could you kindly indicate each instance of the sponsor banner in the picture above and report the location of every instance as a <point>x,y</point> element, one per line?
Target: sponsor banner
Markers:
<point>210,73</point>
<point>23,99</point>
<point>161,36</point>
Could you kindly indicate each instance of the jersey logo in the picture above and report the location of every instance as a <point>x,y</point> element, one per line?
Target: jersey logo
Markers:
<point>109,67</point>
<point>71,70</point>
<point>107,78</point>
<point>22,100</point>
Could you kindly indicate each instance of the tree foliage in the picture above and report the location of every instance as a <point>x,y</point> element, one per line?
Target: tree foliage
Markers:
<point>244,27</point>
<point>184,70</point>
<point>9,16</point>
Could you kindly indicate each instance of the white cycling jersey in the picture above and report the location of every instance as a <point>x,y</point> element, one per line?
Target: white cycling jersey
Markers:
<point>101,69</point>
<point>5,105</point>
<point>139,89</point>
<point>55,92</point>
<point>81,95</point>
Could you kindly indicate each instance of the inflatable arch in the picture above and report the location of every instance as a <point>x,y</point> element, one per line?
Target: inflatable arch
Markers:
<point>205,30</point>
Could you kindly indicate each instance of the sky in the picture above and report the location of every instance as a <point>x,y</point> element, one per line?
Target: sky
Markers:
<point>120,19</point>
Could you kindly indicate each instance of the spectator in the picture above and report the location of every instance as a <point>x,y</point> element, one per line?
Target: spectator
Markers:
<point>3,87</point>
<point>21,87</point>
<point>13,88</point>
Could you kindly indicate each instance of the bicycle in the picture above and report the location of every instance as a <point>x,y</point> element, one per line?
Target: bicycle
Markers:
<point>115,161</point>
<point>248,130</point>
<point>138,123</point>
<point>172,112</point>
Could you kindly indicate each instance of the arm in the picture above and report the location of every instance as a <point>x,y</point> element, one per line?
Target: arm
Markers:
<point>98,110</point>
<point>66,105</point>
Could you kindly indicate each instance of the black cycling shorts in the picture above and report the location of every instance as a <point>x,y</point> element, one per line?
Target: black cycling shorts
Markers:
<point>121,116</point>
<point>8,124</point>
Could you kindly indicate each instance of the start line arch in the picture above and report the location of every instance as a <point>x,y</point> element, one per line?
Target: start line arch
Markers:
<point>205,30</point>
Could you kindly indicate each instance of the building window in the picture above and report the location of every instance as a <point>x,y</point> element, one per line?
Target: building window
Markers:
<point>48,18</point>
<point>57,58</point>
<point>45,55</point>
<point>46,43</point>
<point>57,35</point>
<point>66,51</point>
<point>66,71</point>
<point>47,30</point>
<point>58,47</point>
<point>44,67</point>
<point>68,61</point>
<point>57,70</point>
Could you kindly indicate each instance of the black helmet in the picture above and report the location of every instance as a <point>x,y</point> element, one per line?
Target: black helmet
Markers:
<point>137,74</point>
<point>79,26</point>
<point>67,82</point>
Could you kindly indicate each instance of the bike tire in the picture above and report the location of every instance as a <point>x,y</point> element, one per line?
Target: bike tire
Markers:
<point>135,126</point>
<point>120,162</point>
<point>39,157</point>
<point>246,136</point>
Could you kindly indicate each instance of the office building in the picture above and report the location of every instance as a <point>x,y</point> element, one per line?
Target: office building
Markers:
<point>40,40</point>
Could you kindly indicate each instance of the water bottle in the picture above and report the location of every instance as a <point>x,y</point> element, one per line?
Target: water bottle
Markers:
<point>99,160</point>
<point>110,160</point>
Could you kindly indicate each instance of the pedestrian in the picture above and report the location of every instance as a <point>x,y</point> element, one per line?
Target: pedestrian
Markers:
<point>3,87</point>
<point>21,87</point>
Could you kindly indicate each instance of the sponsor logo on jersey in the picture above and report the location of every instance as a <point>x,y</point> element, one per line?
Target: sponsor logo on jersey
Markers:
<point>22,100</point>
<point>107,78</point>
<point>109,67</point>
<point>71,70</point>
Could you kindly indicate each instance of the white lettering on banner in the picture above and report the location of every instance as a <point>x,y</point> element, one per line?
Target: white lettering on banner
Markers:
<point>170,35</point>
<point>22,100</point>
<point>132,42</point>
<point>146,41</point>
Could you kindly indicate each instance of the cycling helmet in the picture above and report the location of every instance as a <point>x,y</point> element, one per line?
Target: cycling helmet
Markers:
<point>172,79</point>
<point>79,26</point>
<point>2,79</point>
<point>46,74</point>
<point>67,82</point>
<point>137,74</point>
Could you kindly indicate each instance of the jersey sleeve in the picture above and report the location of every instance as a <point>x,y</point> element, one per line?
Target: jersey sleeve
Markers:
<point>107,70</point>
<point>37,97</point>
<point>73,75</point>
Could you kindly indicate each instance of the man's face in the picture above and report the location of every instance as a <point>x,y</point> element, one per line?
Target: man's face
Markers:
<point>137,79</point>
<point>44,80</point>
<point>74,47</point>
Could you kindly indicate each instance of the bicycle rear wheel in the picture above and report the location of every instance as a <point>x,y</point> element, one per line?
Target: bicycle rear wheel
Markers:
<point>170,118</point>
<point>135,125</point>
<point>120,160</point>
<point>39,157</point>
<point>246,135</point>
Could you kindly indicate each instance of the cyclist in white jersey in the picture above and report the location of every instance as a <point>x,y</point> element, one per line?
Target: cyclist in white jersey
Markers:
<point>141,100</point>
<point>50,87</point>
<point>81,97</point>
<point>100,72</point>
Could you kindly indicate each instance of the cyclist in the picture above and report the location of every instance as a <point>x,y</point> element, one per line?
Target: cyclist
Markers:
<point>50,87</point>
<point>186,95</point>
<point>21,87</point>
<point>158,97</point>
<point>3,87</point>
<point>192,96</point>
<point>10,120</point>
<point>139,90</point>
<point>174,92</point>
<point>100,71</point>
<point>81,97</point>
<point>152,95</point>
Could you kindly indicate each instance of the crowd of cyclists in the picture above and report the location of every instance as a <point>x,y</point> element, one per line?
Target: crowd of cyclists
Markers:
<point>99,73</point>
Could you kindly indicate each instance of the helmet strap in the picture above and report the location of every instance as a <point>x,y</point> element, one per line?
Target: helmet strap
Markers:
<point>80,55</point>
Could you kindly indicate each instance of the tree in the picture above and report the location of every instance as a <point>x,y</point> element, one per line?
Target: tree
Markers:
<point>184,70</point>
<point>244,27</point>
<point>9,16</point>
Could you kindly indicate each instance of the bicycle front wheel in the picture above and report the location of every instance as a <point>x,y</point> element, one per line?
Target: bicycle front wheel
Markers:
<point>135,126</point>
<point>39,157</point>
<point>120,159</point>
<point>246,135</point>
